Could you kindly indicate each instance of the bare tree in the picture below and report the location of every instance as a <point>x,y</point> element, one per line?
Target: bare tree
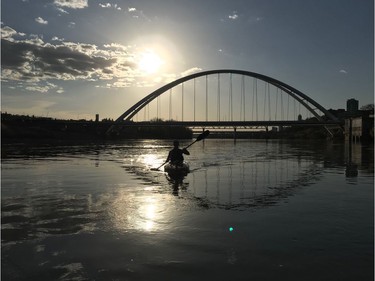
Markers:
<point>369,106</point>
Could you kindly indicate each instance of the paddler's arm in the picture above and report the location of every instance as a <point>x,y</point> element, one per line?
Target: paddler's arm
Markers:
<point>185,151</point>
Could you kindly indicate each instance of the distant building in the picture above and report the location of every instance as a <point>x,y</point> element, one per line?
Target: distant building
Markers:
<point>352,106</point>
<point>338,113</point>
<point>360,127</point>
<point>96,117</point>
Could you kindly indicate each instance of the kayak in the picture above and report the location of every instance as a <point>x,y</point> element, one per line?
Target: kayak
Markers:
<point>174,169</point>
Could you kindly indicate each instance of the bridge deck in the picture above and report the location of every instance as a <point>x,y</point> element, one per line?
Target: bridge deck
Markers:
<point>232,124</point>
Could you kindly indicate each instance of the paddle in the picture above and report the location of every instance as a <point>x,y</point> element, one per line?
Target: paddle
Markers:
<point>199,138</point>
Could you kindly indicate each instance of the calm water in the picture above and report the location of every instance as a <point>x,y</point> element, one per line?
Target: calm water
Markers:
<point>250,210</point>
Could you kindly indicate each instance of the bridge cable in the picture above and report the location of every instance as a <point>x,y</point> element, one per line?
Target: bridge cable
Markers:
<point>182,101</point>
<point>157,107</point>
<point>218,97</point>
<point>170,104</point>
<point>194,99</point>
<point>282,104</point>
<point>253,101</point>
<point>241,101</point>
<point>242,111</point>
<point>277,101</point>
<point>265,101</point>
<point>144,114</point>
<point>256,98</point>
<point>230,99</point>
<point>287,110</point>
<point>269,100</point>
<point>206,97</point>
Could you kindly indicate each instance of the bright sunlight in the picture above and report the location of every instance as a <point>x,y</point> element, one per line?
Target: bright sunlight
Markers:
<point>150,62</point>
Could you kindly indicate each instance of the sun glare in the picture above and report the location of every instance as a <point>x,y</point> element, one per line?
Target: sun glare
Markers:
<point>150,160</point>
<point>149,62</point>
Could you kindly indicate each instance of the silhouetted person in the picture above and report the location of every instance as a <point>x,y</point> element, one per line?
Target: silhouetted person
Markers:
<point>175,156</point>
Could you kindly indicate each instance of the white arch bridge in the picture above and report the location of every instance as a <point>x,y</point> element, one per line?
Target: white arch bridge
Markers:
<point>227,98</point>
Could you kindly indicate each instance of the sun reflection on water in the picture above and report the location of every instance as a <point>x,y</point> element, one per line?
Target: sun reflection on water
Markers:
<point>140,211</point>
<point>150,160</point>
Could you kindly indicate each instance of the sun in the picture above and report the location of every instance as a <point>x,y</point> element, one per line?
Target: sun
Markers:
<point>149,62</point>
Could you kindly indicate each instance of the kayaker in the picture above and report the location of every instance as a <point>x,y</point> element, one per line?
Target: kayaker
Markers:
<point>175,156</point>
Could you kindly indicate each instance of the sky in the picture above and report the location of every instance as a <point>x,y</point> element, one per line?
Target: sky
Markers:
<point>77,58</point>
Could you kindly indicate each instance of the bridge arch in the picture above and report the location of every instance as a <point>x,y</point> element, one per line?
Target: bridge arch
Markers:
<point>291,91</point>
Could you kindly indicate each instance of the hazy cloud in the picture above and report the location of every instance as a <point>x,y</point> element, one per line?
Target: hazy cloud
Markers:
<point>41,21</point>
<point>43,88</point>
<point>343,71</point>
<point>138,13</point>
<point>73,4</point>
<point>191,71</point>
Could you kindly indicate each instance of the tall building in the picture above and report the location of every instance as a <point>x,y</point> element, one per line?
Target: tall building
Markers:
<point>352,106</point>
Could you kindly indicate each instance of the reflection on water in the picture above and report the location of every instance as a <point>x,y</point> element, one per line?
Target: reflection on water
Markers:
<point>258,183</point>
<point>99,213</point>
<point>142,212</point>
<point>40,216</point>
<point>46,195</point>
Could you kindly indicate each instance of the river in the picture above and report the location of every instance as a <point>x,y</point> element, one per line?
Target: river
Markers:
<point>248,210</point>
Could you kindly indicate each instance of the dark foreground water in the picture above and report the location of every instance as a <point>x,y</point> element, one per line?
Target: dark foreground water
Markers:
<point>250,210</point>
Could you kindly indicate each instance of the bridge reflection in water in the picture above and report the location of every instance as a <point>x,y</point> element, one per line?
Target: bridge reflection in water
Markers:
<point>252,184</point>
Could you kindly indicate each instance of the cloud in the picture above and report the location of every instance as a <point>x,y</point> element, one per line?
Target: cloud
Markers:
<point>61,10</point>
<point>72,4</point>
<point>55,38</point>
<point>191,71</point>
<point>35,65</point>
<point>41,21</point>
<point>34,61</point>
<point>233,15</point>
<point>7,32</point>
<point>109,5</point>
<point>44,88</point>
<point>138,14</point>
<point>343,71</point>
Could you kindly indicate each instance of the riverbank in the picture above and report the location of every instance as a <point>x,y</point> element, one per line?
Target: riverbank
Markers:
<point>20,128</point>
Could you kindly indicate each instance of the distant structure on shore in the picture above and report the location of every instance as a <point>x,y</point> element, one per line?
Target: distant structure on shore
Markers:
<point>352,106</point>
<point>359,123</point>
